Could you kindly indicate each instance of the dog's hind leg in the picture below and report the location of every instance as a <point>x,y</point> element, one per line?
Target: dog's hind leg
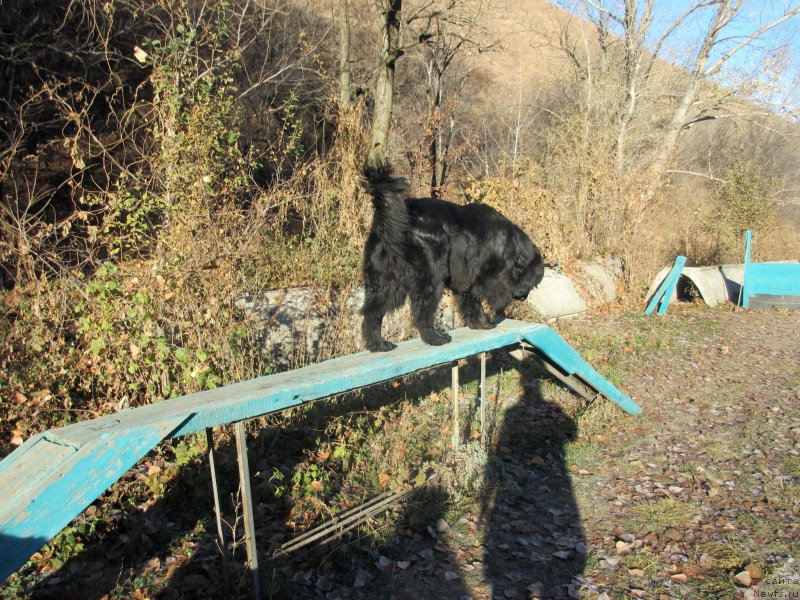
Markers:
<point>472,312</point>
<point>425,300</point>
<point>374,310</point>
<point>377,302</point>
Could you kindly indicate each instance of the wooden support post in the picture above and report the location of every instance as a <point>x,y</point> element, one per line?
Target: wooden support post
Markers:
<point>663,294</point>
<point>247,505</point>
<point>483,399</point>
<point>744,301</point>
<point>456,436</point>
<point>212,465</point>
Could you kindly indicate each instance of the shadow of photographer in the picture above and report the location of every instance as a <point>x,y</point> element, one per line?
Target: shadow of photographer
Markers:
<point>534,545</point>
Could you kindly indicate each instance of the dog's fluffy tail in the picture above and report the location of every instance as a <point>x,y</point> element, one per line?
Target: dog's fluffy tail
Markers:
<point>389,200</point>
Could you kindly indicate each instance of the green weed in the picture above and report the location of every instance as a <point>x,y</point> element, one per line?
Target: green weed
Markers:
<point>659,515</point>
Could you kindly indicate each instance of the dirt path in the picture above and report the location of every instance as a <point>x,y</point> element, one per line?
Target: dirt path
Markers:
<point>700,496</point>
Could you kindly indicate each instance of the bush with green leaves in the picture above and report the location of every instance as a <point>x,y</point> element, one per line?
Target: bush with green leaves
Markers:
<point>744,200</point>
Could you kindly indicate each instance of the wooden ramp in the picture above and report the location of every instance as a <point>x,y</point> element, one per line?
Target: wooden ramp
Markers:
<point>55,475</point>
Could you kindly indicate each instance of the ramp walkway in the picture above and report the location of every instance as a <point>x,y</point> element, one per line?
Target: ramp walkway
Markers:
<point>55,475</point>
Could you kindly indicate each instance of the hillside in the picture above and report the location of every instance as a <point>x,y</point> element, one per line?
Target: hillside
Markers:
<point>515,79</point>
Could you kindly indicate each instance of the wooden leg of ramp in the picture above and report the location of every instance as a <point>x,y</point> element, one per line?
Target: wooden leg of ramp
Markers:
<point>483,399</point>
<point>247,506</point>
<point>456,436</point>
<point>212,465</point>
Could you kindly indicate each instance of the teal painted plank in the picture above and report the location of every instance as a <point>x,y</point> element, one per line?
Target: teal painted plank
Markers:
<point>664,292</point>
<point>43,505</point>
<point>773,279</point>
<point>767,279</point>
<point>748,238</point>
<point>672,282</point>
<point>565,356</point>
<point>51,478</point>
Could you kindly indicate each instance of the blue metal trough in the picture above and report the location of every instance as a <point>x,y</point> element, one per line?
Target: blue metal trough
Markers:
<point>55,475</point>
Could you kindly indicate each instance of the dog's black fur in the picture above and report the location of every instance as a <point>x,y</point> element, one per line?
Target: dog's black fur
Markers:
<point>419,246</point>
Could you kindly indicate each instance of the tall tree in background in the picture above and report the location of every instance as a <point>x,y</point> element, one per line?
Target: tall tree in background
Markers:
<point>345,73</point>
<point>390,51</point>
<point>448,31</point>
<point>704,69</point>
<point>699,97</point>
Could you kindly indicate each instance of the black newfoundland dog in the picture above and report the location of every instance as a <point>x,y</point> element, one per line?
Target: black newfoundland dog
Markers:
<point>419,246</point>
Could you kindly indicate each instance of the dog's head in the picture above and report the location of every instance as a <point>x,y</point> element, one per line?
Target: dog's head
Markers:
<point>528,269</point>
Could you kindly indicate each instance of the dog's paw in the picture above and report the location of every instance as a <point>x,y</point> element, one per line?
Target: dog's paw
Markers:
<point>481,325</point>
<point>435,338</point>
<point>381,346</point>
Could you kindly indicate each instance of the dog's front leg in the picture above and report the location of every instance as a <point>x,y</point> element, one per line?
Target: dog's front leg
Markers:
<point>472,312</point>
<point>498,297</point>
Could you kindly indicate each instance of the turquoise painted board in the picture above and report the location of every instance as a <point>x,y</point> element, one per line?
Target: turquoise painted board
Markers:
<point>57,485</point>
<point>769,279</point>
<point>748,238</point>
<point>52,477</point>
<point>663,294</point>
<point>772,279</point>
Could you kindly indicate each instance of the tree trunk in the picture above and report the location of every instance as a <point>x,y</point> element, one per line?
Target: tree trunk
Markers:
<point>384,87</point>
<point>669,139</point>
<point>635,36</point>
<point>434,148</point>
<point>345,77</point>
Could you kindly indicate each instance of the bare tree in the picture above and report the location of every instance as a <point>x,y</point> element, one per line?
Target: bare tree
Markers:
<point>704,68</point>
<point>448,32</point>
<point>390,51</point>
<point>630,24</point>
<point>345,74</point>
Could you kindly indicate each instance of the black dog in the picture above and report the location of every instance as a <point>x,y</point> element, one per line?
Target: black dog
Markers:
<point>419,246</point>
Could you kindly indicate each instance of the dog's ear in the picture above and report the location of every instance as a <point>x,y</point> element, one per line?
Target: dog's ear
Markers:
<point>520,265</point>
<point>522,259</point>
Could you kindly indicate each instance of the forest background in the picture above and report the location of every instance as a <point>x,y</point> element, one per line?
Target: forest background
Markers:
<point>160,160</point>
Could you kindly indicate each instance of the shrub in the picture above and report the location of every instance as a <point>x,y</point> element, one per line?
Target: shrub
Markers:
<point>743,201</point>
